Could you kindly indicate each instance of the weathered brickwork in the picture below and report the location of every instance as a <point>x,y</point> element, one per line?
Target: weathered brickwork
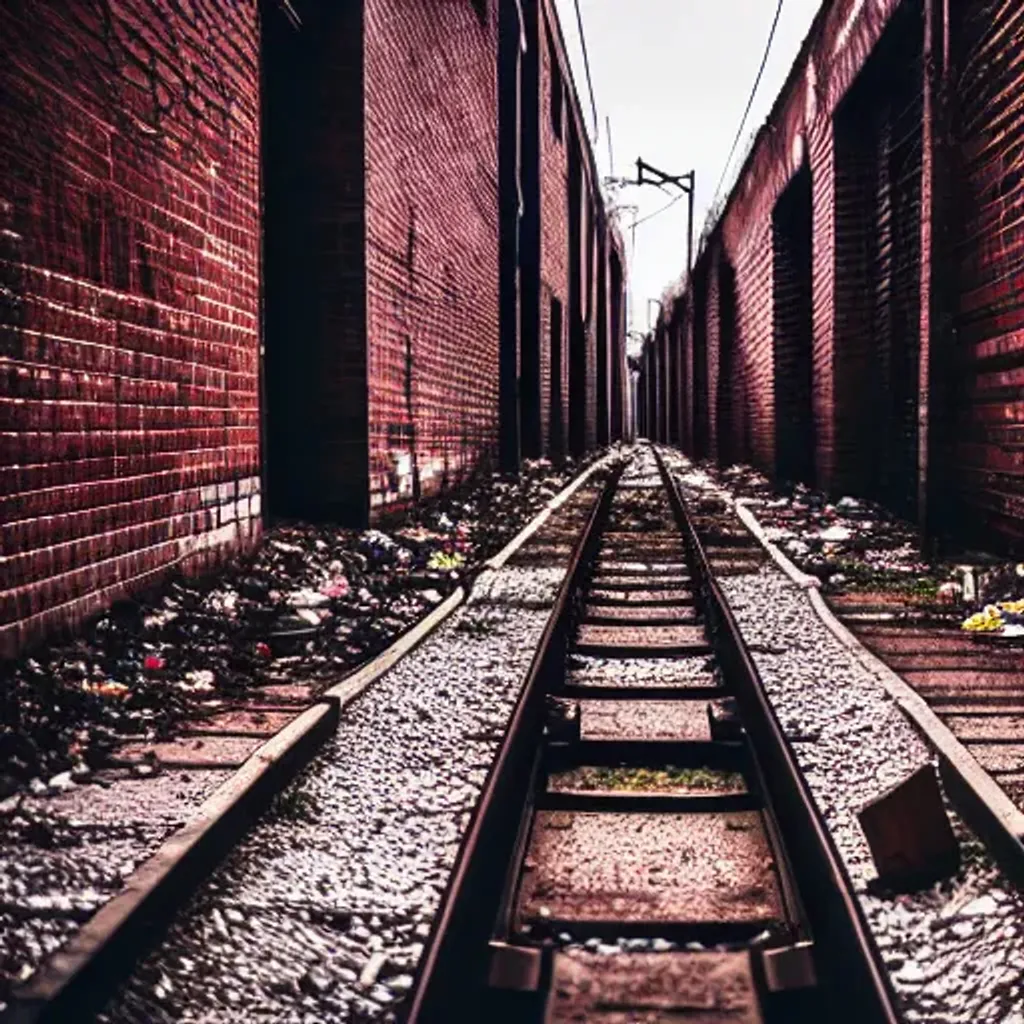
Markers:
<point>432,243</point>
<point>189,186</point>
<point>555,126</point>
<point>985,362</point>
<point>737,416</point>
<point>129,285</point>
<point>898,126</point>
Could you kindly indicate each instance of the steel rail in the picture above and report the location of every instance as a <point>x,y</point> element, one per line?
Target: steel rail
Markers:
<point>853,966</point>
<point>457,948</point>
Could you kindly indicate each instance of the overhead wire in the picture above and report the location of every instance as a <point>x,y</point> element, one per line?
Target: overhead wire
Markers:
<point>750,101</point>
<point>586,67</point>
<point>662,209</point>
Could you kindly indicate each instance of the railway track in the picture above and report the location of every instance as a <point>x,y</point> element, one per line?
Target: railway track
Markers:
<point>974,683</point>
<point>645,849</point>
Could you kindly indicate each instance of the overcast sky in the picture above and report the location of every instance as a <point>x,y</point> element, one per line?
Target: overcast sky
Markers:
<point>674,77</point>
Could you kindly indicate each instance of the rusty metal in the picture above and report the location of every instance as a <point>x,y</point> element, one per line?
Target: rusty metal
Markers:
<point>854,966</point>
<point>541,859</point>
<point>457,947</point>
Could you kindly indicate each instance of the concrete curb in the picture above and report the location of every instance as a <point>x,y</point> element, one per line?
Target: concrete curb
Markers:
<point>68,981</point>
<point>78,978</point>
<point>801,579</point>
<point>498,560</point>
<point>977,796</point>
<point>343,693</point>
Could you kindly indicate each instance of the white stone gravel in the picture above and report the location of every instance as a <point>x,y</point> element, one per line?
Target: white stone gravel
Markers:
<point>955,951</point>
<point>321,914</point>
<point>680,671</point>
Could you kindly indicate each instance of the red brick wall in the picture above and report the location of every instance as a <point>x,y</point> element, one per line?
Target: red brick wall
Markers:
<point>711,314</point>
<point>619,379</point>
<point>129,264</point>
<point>800,124</point>
<point>432,242</point>
<point>986,363</point>
<point>592,312</point>
<point>554,187</point>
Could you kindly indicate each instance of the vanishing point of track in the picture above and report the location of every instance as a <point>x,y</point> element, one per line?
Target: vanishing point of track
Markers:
<point>645,848</point>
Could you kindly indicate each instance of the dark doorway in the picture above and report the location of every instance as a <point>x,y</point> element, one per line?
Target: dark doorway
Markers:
<point>557,429</point>
<point>281,53</point>
<point>314,422</point>
<point>878,147</point>
<point>793,331</point>
<point>728,448</point>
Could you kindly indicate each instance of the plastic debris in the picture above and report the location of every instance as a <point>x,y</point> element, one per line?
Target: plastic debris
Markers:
<point>106,689</point>
<point>309,601</point>
<point>199,681</point>
<point>996,617</point>
<point>835,533</point>
<point>338,587</point>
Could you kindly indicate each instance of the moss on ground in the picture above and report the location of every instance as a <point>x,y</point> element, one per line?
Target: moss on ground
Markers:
<point>652,780</point>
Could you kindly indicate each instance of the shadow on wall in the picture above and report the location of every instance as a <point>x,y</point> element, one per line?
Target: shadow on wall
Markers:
<point>793,331</point>
<point>878,152</point>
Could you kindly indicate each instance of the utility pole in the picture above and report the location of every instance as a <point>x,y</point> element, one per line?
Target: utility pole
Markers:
<point>685,183</point>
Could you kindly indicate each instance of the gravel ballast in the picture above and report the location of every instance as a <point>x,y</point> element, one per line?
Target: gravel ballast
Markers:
<point>321,913</point>
<point>954,951</point>
<point>105,815</point>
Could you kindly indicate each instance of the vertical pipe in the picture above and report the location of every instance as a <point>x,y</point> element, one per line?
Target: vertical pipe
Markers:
<point>932,284</point>
<point>509,36</point>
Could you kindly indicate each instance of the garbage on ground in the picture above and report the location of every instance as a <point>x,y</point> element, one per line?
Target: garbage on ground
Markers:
<point>855,544</point>
<point>309,604</point>
<point>1005,618</point>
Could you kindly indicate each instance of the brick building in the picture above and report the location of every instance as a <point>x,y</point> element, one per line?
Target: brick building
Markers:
<point>382,252</point>
<point>852,319</point>
<point>272,254</point>
<point>129,300</point>
<point>572,281</point>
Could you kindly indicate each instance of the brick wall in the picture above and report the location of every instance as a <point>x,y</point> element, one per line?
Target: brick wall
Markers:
<point>620,374</point>
<point>592,315</point>
<point>986,357</point>
<point>554,186</point>
<point>129,266</point>
<point>431,243</point>
<point>800,129</point>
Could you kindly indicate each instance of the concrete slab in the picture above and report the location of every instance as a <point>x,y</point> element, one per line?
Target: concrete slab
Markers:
<point>706,869</point>
<point>652,988</point>
<point>191,752</point>
<point>677,595</point>
<point>650,615</point>
<point>641,640</point>
<point>644,720</point>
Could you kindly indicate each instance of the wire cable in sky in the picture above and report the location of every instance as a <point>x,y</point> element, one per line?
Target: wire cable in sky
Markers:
<point>671,203</point>
<point>750,102</point>
<point>586,67</point>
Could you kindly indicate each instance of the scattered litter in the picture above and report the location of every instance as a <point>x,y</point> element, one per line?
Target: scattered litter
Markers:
<point>308,603</point>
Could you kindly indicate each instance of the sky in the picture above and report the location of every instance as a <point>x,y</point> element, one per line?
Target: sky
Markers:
<point>674,76</point>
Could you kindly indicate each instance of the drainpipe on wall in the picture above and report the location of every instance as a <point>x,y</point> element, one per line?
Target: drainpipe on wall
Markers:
<point>932,421</point>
